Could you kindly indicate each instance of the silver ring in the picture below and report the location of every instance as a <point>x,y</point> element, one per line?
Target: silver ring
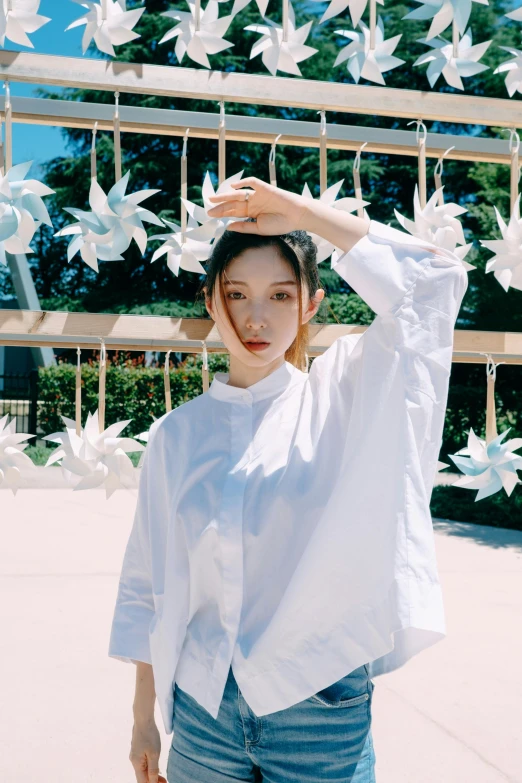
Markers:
<point>247,195</point>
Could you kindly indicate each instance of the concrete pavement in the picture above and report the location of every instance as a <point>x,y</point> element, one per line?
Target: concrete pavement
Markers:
<point>453,714</point>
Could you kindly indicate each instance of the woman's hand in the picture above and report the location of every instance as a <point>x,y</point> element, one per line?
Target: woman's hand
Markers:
<point>145,752</point>
<point>276,211</point>
<point>279,211</point>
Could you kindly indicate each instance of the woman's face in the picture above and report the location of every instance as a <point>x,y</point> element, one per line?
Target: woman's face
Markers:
<point>262,299</point>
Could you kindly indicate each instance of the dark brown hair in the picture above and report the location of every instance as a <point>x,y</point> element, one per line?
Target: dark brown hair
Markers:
<point>300,252</point>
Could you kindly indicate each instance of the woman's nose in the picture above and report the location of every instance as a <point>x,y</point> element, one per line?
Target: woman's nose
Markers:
<point>256,318</point>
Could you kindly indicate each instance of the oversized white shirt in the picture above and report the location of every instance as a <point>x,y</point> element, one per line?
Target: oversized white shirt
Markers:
<point>284,529</point>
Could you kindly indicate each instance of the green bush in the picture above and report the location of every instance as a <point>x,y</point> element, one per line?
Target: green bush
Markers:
<point>459,505</point>
<point>131,391</point>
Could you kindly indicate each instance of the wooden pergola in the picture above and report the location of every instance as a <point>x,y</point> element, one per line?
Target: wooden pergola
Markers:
<point>138,333</point>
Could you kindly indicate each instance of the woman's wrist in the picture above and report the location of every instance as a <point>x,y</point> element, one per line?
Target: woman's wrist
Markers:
<point>336,226</point>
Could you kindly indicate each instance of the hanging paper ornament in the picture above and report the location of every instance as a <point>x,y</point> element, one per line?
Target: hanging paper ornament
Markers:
<point>108,23</point>
<point>452,60</point>
<point>22,210</point>
<point>443,13</point>
<point>18,18</point>
<point>182,251</point>
<point>489,464</point>
<point>94,453</point>
<point>12,458</point>
<point>199,33</point>
<point>364,60</point>
<point>282,46</point>
<point>437,223</point>
<point>211,227</point>
<point>336,7</point>
<point>99,458</point>
<point>506,264</point>
<point>114,221</point>
<point>326,249</point>
<point>513,67</point>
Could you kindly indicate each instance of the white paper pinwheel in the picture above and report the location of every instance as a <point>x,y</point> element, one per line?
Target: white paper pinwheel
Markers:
<point>514,70</point>
<point>181,254</point>
<point>100,458</point>
<point>115,220</point>
<point>22,210</point>
<point>326,249</point>
<point>280,55</point>
<point>437,223</point>
<point>489,467</point>
<point>365,62</point>
<point>108,23</point>
<point>336,7</point>
<point>211,227</point>
<point>442,61</point>
<point>198,41</point>
<point>19,17</point>
<point>506,264</point>
<point>443,12</point>
<point>12,458</point>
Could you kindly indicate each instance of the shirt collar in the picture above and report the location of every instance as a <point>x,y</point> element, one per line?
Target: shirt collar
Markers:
<point>269,386</point>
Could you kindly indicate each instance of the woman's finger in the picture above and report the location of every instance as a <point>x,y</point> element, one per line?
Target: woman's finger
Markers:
<point>230,196</point>
<point>252,182</point>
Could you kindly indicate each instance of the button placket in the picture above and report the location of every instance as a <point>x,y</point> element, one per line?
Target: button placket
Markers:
<point>231,517</point>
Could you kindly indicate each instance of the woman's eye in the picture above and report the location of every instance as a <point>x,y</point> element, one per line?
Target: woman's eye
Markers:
<point>281,294</point>
<point>231,294</point>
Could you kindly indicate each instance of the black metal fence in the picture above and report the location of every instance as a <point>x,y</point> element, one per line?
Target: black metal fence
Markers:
<point>19,397</point>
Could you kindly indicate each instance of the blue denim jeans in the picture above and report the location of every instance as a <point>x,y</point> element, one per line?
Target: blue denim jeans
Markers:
<point>325,738</point>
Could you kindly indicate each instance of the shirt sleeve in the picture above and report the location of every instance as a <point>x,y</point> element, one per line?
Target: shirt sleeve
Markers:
<point>389,385</point>
<point>135,608</point>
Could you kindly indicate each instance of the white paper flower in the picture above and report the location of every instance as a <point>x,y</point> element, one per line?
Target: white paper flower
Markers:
<point>12,458</point>
<point>115,220</point>
<point>326,249</point>
<point>438,224</point>
<point>198,43</point>
<point>276,54</point>
<point>182,254</point>
<point>336,7</point>
<point>211,227</point>
<point>22,210</point>
<point>99,458</point>
<point>443,12</point>
<point>514,70</point>
<point>108,22</point>
<point>442,61</point>
<point>19,17</point>
<point>507,261</point>
<point>365,62</point>
<point>489,467</point>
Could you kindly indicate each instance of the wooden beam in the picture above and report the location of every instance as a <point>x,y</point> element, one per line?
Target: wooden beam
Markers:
<point>242,128</point>
<point>161,333</point>
<point>260,90</point>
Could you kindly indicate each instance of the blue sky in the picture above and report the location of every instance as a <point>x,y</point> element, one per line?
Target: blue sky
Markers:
<point>39,142</point>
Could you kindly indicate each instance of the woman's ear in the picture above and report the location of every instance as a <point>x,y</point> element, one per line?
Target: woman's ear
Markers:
<point>313,305</point>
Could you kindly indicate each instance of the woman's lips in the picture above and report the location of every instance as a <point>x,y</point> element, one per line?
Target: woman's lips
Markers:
<point>256,346</point>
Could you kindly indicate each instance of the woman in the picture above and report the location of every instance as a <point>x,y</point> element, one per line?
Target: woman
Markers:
<point>282,550</point>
